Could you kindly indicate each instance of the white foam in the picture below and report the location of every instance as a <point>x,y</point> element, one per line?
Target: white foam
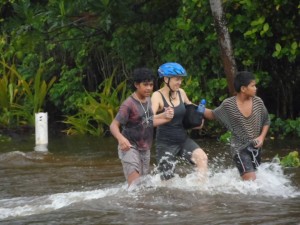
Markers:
<point>37,205</point>
<point>271,182</point>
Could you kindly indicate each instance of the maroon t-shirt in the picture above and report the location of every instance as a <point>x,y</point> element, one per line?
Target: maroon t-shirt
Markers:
<point>137,122</point>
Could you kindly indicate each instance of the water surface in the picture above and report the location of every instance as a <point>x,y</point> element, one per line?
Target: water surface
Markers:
<point>80,181</point>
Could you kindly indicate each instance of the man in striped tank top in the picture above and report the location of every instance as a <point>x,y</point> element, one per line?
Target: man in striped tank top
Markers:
<point>247,118</point>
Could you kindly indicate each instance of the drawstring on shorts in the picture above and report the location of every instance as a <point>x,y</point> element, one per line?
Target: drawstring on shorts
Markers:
<point>238,154</point>
<point>254,152</point>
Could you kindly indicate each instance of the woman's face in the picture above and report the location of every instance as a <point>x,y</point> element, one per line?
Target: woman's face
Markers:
<point>174,82</point>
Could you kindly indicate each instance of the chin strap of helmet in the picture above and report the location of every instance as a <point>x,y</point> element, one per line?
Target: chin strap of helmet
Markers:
<point>170,91</point>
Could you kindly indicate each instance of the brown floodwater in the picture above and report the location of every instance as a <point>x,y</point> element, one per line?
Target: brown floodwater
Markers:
<point>80,181</point>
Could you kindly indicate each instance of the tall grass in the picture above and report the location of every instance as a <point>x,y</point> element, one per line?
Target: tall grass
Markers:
<point>21,99</point>
<point>99,109</point>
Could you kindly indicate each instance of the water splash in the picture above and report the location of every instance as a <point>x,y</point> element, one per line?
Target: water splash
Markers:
<point>26,206</point>
<point>18,158</point>
<point>271,182</point>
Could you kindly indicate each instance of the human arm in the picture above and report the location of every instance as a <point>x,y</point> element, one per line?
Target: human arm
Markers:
<point>188,104</point>
<point>265,125</point>
<point>199,127</point>
<point>185,98</point>
<point>208,114</point>
<point>114,127</point>
<point>157,105</point>
<point>260,139</point>
<point>163,117</point>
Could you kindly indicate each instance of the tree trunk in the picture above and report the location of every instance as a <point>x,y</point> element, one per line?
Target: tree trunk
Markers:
<point>224,43</point>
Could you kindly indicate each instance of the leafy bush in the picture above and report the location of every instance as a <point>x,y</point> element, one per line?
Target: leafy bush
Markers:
<point>68,92</point>
<point>226,137</point>
<point>83,41</point>
<point>290,160</point>
<point>282,128</point>
<point>98,109</point>
<point>21,99</point>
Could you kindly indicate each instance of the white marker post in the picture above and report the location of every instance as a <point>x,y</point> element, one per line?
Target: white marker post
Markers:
<point>41,132</point>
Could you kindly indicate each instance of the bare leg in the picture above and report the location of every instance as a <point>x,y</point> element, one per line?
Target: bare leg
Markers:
<point>132,177</point>
<point>199,157</point>
<point>249,176</point>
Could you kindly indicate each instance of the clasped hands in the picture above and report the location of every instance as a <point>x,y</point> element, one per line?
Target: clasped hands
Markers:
<point>169,112</point>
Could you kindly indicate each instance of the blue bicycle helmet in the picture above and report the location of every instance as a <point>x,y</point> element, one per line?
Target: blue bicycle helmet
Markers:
<point>171,69</point>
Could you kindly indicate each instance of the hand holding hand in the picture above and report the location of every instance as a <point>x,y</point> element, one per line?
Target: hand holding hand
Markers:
<point>169,112</point>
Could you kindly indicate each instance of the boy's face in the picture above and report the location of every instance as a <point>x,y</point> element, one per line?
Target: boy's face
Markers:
<point>250,90</point>
<point>144,89</point>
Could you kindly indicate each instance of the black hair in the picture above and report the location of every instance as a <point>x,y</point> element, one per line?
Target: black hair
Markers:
<point>242,78</point>
<point>142,74</point>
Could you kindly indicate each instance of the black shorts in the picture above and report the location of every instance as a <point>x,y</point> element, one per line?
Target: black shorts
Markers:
<point>247,160</point>
<point>167,155</point>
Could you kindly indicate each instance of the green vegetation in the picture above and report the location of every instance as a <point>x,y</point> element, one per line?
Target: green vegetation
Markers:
<point>58,56</point>
<point>290,160</point>
<point>225,138</point>
<point>19,99</point>
<point>98,109</point>
<point>284,128</point>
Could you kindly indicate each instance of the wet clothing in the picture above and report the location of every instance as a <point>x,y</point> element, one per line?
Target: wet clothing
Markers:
<point>173,141</point>
<point>134,160</point>
<point>247,160</point>
<point>243,129</point>
<point>136,119</point>
<point>167,156</point>
<point>173,131</point>
<point>137,122</point>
